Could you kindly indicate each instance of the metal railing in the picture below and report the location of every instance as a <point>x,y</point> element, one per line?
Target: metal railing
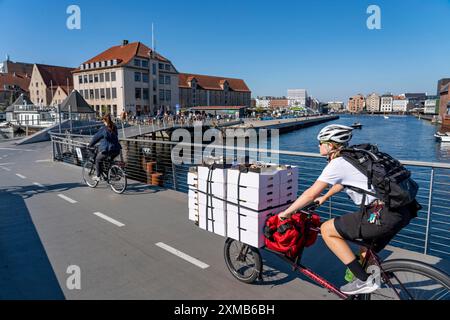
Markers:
<point>429,233</point>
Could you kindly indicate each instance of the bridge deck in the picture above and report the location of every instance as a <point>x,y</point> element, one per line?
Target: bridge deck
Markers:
<point>42,233</point>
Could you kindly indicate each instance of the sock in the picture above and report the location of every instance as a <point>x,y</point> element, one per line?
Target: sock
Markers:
<point>356,268</point>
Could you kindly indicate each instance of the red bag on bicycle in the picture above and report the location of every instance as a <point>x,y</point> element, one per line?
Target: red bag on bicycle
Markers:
<point>288,236</point>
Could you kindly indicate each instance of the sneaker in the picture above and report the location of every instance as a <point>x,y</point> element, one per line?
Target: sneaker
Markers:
<point>359,286</point>
<point>96,178</point>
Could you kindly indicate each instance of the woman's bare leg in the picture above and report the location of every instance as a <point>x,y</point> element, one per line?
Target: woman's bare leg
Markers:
<point>336,244</point>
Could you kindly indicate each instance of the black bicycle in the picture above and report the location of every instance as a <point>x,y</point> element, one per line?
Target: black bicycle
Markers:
<point>113,172</point>
<point>399,279</point>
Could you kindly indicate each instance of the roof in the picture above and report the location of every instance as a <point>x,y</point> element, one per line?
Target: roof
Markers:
<point>77,104</point>
<point>218,108</point>
<point>55,76</point>
<point>7,79</point>
<point>19,68</point>
<point>22,100</point>
<point>212,82</point>
<point>124,54</point>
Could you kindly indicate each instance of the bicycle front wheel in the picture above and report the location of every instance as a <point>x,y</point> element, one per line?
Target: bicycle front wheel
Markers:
<point>117,179</point>
<point>243,261</point>
<point>89,173</point>
<point>411,280</point>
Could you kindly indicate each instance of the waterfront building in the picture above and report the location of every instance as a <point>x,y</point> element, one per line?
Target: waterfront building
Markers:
<point>356,104</point>
<point>441,83</point>
<point>262,103</point>
<point>202,90</point>
<point>373,103</point>
<point>224,111</point>
<point>279,104</point>
<point>431,105</point>
<point>386,103</point>
<point>45,80</point>
<point>444,105</point>
<point>14,80</point>
<point>129,77</point>
<point>399,104</point>
<point>416,100</point>
<point>76,108</point>
<point>297,97</point>
<point>336,106</point>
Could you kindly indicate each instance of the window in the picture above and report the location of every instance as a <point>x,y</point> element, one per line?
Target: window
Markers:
<point>137,62</point>
<point>102,77</point>
<point>37,84</point>
<point>102,93</point>
<point>137,76</point>
<point>114,93</point>
<point>168,95</point>
<point>167,79</point>
<point>154,85</point>
<point>145,77</point>
<point>137,93</point>
<point>167,67</point>
<point>97,93</point>
<point>80,79</point>
<point>161,95</point>
<point>145,94</point>
<point>155,99</point>
<point>114,110</point>
<point>91,78</point>
<point>91,94</point>
<point>86,94</point>
<point>107,77</point>
<point>161,66</point>
<point>96,78</point>
<point>154,69</point>
<point>108,93</point>
<point>113,76</point>
<point>145,63</point>
<point>85,79</point>
<point>161,79</point>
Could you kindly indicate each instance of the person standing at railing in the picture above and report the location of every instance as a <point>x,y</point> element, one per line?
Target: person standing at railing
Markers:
<point>376,223</point>
<point>109,143</point>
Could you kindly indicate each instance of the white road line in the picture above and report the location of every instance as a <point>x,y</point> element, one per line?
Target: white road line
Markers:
<point>12,149</point>
<point>182,255</point>
<point>105,217</point>
<point>6,164</point>
<point>67,199</point>
<point>20,176</point>
<point>45,160</point>
<point>38,184</point>
<point>6,169</point>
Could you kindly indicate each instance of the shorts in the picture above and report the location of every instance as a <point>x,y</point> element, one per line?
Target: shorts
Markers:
<point>355,226</point>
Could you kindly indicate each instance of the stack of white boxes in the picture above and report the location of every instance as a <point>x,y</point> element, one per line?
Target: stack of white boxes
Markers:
<point>269,191</point>
<point>239,209</point>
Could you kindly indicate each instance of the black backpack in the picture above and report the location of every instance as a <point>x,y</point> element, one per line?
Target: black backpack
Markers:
<point>391,180</point>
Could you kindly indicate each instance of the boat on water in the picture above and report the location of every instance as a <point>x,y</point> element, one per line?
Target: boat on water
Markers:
<point>356,125</point>
<point>442,137</point>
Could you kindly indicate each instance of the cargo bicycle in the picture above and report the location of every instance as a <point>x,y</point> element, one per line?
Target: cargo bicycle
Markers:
<point>113,172</point>
<point>399,279</point>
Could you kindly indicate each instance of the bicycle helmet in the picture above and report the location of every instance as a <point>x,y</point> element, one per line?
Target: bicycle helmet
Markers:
<point>336,133</point>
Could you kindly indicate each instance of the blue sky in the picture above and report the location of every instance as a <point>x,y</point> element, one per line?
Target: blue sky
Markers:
<point>323,46</point>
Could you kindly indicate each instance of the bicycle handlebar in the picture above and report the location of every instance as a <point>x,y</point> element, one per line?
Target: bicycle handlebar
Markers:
<point>311,206</point>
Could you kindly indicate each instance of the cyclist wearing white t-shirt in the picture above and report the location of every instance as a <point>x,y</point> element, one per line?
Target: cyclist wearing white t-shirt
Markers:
<point>358,225</point>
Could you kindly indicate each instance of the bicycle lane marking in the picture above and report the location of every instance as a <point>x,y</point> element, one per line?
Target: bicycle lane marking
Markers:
<point>182,255</point>
<point>111,220</point>
<point>20,176</point>
<point>67,199</point>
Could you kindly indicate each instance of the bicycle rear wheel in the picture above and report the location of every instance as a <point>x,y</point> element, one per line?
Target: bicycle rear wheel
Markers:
<point>412,280</point>
<point>89,173</point>
<point>243,261</point>
<point>117,179</point>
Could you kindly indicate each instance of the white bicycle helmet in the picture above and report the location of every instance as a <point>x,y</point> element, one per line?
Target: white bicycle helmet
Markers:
<point>336,133</point>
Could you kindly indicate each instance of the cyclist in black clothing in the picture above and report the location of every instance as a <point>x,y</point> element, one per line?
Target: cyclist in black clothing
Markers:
<point>109,144</point>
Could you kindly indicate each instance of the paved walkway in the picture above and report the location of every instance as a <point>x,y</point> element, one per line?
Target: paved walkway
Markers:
<point>49,221</point>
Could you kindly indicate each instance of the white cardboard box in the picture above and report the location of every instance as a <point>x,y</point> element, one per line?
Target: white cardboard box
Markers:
<point>192,179</point>
<point>253,179</point>
<point>216,220</point>
<point>193,214</point>
<point>218,175</point>
<point>289,175</point>
<point>288,189</point>
<point>216,203</point>
<point>251,225</point>
<point>216,188</point>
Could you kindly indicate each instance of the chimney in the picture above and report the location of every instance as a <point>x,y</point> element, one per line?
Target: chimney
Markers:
<point>124,42</point>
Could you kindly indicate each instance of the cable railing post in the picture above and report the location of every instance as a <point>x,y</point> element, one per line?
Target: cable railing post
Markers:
<point>430,200</point>
<point>174,168</point>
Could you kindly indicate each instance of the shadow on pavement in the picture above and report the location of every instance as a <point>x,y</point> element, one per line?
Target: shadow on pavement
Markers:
<point>25,270</point>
